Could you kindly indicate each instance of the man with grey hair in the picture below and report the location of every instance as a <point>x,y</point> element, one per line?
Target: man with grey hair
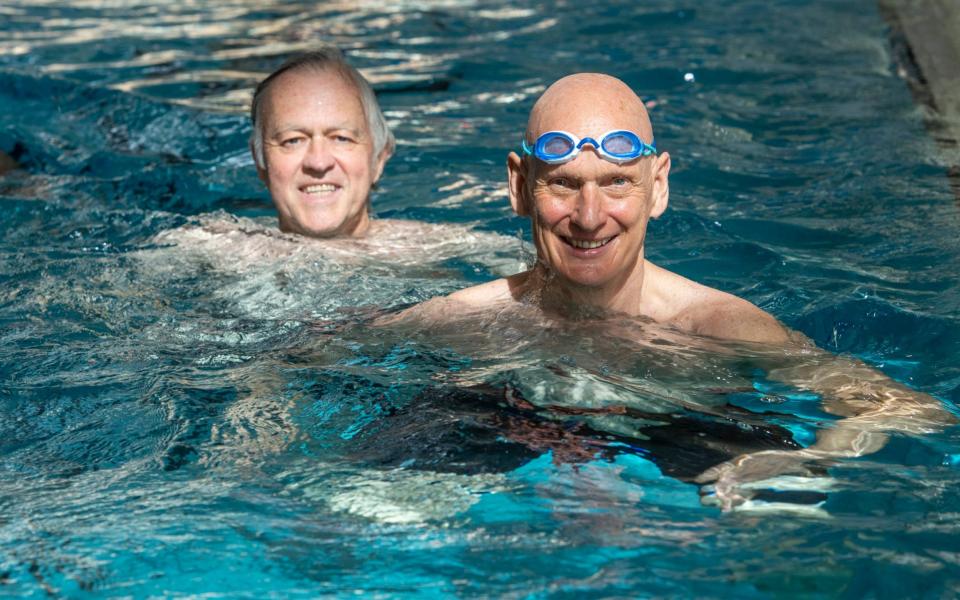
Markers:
<point>320,143</point>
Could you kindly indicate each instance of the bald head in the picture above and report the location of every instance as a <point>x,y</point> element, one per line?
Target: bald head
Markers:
<point>589,104</point>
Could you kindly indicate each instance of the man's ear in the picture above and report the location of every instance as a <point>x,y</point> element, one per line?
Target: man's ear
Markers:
<point>261,170</point>
<point>517,185</point>
<point>661,184</point>
<point>381,161</point>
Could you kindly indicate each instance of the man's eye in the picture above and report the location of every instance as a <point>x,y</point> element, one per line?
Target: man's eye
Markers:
<point>619,181</point>
<point>291,142</point>
<point>561,182</point>
<point>344,139</point>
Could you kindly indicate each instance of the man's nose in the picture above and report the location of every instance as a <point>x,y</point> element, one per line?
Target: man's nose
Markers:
<point>588,213</point>
<point>319,156</point>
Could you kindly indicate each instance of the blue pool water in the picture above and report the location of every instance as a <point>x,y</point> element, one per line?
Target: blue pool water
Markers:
<point>216,416</point>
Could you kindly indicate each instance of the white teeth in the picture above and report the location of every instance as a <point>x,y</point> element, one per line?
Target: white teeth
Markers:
<point>588,244</point>
<point>323,188</point>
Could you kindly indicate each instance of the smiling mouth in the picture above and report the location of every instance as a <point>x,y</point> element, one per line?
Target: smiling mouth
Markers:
<point>320,189</point>
<point>588,244</point>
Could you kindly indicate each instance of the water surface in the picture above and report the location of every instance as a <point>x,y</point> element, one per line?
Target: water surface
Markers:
<point>175,420</point>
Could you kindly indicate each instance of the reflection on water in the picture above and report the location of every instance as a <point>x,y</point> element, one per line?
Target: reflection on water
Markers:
<point>244,40</point>
<point>182,383</point>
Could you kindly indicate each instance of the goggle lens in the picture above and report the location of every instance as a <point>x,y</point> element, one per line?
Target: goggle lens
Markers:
<point>622,143</point>
<point>556,145</point>
<point>620,146</point>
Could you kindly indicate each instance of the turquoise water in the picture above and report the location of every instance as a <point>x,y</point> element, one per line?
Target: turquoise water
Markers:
<point>183,413</point>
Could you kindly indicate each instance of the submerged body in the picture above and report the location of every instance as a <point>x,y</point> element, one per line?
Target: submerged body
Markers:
<point>238,244</point>
<point>590,180</point>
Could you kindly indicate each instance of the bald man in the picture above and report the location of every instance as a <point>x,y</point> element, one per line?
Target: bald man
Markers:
<point>589,178</point>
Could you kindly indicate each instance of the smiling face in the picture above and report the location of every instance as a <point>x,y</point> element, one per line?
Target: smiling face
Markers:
<point>318,154</point>
<point>589,216</point>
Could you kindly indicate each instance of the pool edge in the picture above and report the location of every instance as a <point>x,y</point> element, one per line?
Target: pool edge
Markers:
<point>925,35</point>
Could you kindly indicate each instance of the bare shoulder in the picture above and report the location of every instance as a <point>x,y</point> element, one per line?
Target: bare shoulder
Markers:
<point>457,304</point>
<point>704,310</point>
<point>485,294</point>
<point>730,317</point>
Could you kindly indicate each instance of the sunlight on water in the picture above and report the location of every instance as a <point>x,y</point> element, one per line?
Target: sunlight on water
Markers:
<point>193,402</point>
<point>244,33</point>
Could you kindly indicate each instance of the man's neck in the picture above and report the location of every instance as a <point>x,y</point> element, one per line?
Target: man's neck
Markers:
<point>360,226</point>
<point>357,227</point>
<point>624,296</point>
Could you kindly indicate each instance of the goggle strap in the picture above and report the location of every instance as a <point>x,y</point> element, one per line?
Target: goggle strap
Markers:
<point>523,145</point>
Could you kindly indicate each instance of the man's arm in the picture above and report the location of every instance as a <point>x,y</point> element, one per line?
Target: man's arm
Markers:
<point>870,403</point>
<point>852,389</point>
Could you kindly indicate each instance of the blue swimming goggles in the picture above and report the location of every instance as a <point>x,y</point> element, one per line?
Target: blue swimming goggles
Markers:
<point>618,146</point>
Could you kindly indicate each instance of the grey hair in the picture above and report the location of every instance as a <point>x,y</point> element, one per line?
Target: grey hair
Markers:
<point>329,59</point>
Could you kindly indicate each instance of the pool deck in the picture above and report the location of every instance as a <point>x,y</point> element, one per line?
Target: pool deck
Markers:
<point>930,32</point>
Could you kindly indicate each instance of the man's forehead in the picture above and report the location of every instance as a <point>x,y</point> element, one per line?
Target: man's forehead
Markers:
<point>310,81</point>
<point>592,120</point>
<point>589,104</point>
<point>309,92</point>
<point>326,75</point>
<point>593,127</point>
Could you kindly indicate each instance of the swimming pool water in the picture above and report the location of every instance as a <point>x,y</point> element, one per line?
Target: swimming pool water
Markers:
<point>216,415</point>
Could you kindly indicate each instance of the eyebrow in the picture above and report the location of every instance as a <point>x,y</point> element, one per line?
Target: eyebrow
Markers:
<point>563,170</point>
<point>297,127</point>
